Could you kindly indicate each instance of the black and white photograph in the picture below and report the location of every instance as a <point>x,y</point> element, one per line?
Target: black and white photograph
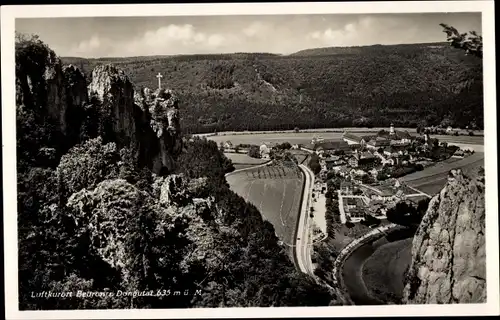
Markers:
<point>251,159</point>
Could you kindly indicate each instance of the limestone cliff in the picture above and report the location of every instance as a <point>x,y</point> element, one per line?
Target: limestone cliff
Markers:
<point>161,123</point>
<point>115,97</point>
<point>40,84</point>
<point>75,85</point>
<point>146,122</point>
<point>448,253</point>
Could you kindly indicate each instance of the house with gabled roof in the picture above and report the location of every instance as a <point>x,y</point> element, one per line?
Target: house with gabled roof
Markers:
<point>378,142</point>
<point>353,139</point>
<point>322,146</point>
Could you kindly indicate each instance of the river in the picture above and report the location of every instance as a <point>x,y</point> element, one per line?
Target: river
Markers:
<point>354,277</point>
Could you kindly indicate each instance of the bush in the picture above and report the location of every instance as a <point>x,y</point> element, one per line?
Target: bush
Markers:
<point>254,152</point>
<point>314,164</point>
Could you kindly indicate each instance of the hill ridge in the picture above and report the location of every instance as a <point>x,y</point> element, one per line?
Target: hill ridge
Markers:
<point>409,85</point>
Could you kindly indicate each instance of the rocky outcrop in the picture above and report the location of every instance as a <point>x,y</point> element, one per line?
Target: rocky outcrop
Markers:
<point>448,253</point>
<point>178,190</point>
<point>160,114</point>
<point>40,84</point>
<point>111,89</point>
<point>146,122</point>
<point>75,85</point>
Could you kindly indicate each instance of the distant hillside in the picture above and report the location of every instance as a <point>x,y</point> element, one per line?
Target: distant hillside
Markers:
<point>363,49</point>
<point>326,87</point>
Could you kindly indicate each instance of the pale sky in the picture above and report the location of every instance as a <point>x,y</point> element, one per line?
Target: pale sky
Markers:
<point>139,36</point>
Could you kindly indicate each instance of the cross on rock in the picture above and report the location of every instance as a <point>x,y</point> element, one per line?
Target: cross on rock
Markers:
<point>159,76</point>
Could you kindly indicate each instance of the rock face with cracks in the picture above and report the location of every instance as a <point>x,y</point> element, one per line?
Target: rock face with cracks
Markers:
<point>105,105</point>
<point>448,253</point>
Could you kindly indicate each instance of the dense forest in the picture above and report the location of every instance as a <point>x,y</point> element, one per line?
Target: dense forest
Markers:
<point>409,85</point>
<point>91,220</point>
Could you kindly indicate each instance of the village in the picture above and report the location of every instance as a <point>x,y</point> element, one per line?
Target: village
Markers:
<point>367,166</point>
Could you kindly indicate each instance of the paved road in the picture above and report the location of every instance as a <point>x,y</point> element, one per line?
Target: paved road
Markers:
<point>303,240</point>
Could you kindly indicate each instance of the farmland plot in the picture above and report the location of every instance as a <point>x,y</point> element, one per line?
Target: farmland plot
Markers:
<point>432,179</point>
<point>276,191</point>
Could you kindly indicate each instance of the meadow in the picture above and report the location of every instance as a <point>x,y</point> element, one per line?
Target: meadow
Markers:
<point>432,179</point>
<point>274,138</point>
<point>243,160</point>
<point>383,271</point>
<point>276,191</point>
<point>305,136</point>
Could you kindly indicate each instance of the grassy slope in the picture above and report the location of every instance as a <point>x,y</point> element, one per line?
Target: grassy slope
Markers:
<point>377,84</point>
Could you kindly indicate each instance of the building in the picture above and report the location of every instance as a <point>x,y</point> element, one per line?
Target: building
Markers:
<point>383,196</point>
<point>346,187</point>
<point>366,155</point>
<point>324,145</point>
<point>228,145</point>
<point>394,151</point>
<point>397,135</point>
<point>353,139</point>
<point>264,151</point>
<point>334,161</point>
<point>377,143</point>
<point>353,161</point>
<point>343,171</point>
<point>458,154</point>
<point>364,160</point>
<point>358,172</point>
<point>449,130</point>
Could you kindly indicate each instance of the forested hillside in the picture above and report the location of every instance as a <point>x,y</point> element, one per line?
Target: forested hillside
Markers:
<point>408,85</point>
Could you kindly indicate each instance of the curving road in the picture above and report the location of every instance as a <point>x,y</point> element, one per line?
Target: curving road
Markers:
<point>303,239</point>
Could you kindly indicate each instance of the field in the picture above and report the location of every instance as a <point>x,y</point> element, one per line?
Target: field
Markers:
<point>432,179</point>
<point>460,139</point>
<point>242,160</point>
<point>383,271</point>
<point>276,191</point>
<point>305,136</point>
<point>300,155</point>
<point>274,138</point>
<point>475,143</point>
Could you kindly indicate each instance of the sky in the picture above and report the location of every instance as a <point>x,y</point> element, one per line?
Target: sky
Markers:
<point>284,34</point>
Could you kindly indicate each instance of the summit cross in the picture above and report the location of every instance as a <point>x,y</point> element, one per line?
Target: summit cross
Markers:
<point>159,76</point>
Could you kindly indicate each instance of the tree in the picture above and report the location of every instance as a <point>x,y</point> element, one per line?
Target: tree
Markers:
<point>314,164</point>
<point>254,152</point>
<point>471,42</point>
<point>85,165</point>
<point>367,179</point>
